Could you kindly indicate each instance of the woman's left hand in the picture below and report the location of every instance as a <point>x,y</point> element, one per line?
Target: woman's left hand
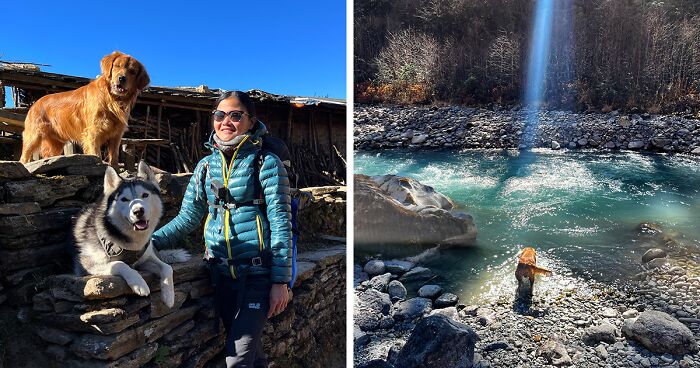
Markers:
<point>279,297</point>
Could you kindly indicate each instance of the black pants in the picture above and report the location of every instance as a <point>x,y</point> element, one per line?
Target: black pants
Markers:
<point>243,311</point>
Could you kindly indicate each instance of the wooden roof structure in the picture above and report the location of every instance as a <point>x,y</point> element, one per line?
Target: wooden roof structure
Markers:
<point>178,119</point>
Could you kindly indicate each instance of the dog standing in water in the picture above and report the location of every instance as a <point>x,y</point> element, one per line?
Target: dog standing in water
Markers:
<point>525,273</point>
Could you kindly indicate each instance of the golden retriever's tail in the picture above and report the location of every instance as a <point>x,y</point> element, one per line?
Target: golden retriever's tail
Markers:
<point>31,138</point>
<point>541,271</point>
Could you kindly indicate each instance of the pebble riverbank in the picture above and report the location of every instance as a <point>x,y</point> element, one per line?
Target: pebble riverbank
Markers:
<point>411,127</point>
<point>571,321</point>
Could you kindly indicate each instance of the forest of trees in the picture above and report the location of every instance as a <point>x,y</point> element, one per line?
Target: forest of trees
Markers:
<point>634,55</point>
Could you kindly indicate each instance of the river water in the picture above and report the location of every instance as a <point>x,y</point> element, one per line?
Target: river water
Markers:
<point>579,209</point>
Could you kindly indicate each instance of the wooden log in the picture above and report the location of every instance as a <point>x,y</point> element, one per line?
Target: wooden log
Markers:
<point>148,114</point>
<point>160,113</point>
<point>289,127</point>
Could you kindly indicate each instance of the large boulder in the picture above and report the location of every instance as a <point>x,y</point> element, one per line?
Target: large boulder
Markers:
<point>438,342</point>
<point>660,333</point>
<point>410,192</point>
<point>382,219</point>
<point>370,307</point>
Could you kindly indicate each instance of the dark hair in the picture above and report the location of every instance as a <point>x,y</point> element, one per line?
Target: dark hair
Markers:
<point>243,97</point>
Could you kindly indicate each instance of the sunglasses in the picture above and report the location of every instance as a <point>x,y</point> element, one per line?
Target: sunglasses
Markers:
<point>234,115</point>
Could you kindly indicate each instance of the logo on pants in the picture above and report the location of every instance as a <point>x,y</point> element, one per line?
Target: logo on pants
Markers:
<point>254,306</point>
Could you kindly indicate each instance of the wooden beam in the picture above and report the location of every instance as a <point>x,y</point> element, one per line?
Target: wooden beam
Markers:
<point>289,126</point>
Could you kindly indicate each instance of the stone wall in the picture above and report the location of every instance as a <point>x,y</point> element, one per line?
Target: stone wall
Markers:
<point>98,322</point>
<point>379,127</point>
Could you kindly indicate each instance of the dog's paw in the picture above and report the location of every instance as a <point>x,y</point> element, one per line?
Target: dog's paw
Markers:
<point>140,288</point>
<point>168,296</point>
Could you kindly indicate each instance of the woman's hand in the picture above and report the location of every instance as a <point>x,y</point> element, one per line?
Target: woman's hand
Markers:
<point>279,297</point>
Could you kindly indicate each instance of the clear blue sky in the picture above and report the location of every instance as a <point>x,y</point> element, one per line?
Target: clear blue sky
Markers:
<point>284,47</point>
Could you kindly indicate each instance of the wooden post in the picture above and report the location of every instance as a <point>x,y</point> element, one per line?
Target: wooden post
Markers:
<point>330,130</point>
<point>2,96</point>
<point>148,114</point>
<point>289,126</point>
<point>312,123</point>
<point>160,112</point>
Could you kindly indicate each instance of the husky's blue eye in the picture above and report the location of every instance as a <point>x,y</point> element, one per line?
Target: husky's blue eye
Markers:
<point>124,199</point>
<point>145,195</point>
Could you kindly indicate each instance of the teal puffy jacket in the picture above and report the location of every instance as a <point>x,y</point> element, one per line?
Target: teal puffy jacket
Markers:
<point>244,232</point>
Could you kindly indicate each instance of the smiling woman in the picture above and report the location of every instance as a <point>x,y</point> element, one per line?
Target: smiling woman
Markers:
<point>250,262</point>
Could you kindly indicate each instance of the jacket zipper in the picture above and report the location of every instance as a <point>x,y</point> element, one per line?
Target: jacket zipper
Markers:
<point>226,174</point>
<point>260,232</point>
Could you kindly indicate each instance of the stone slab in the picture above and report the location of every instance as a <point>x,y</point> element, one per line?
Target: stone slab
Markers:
<point>61,162</point>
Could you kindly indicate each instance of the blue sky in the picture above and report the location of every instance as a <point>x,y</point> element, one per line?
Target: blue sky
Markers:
<point>291,48</point>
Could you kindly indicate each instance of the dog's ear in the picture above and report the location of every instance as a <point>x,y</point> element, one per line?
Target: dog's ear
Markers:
<point>142,79</point>
<point>112,180</point>
<point>106,63</point>
<point>146,173</point>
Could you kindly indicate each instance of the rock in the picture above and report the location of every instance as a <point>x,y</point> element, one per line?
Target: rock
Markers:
<point>417,274</point>
<point>449,312</point>
<point>13,170</point>
<point>45,191</point>
<point>56,163</point>
<point>657,263</point>
<point>601,352</point>
<point>498,345</point>
<point>381,219</point>
<point>410,192</point>
<point>396,290</point>
<point>445,300</point>
<point>653,254</point>
<point>375,267</point>
<point>660,142</point>
<point>429,291</point>
<point>412,308</point>
<point>582,142</point>
<point>555,352</point>
<point>359,337</point>
<point>660,333</point>
<point>555,145</point>
<point>630,313</point>
<point>24,208</point>
<point>696,151</point>
<point>419,139</point>
<point>359,275</point>
<point>624,121</point>
<point>635,145</point>
<point>485,316</point>
<point>438,342</point>
<point>398,267</point>
<point>605,332</point>
<point>370,306</point>
<point>609,313</point>
<point>380,282</point>
<point>375,363</point>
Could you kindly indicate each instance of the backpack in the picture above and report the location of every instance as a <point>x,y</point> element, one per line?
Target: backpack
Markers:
<point>278,148</point>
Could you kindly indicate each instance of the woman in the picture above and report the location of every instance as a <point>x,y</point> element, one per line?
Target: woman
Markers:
<point>244,191</point>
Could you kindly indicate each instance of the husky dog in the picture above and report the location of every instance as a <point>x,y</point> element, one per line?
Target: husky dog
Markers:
<point>113,235</point>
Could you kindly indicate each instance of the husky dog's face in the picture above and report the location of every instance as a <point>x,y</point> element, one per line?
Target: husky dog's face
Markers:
<point>133,205</point>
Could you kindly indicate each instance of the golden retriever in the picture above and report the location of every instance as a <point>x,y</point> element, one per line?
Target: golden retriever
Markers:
<point>92,115</point>
<point>526,271</point>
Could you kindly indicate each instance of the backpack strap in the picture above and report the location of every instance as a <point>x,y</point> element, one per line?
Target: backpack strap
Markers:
<point>258,161</point>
